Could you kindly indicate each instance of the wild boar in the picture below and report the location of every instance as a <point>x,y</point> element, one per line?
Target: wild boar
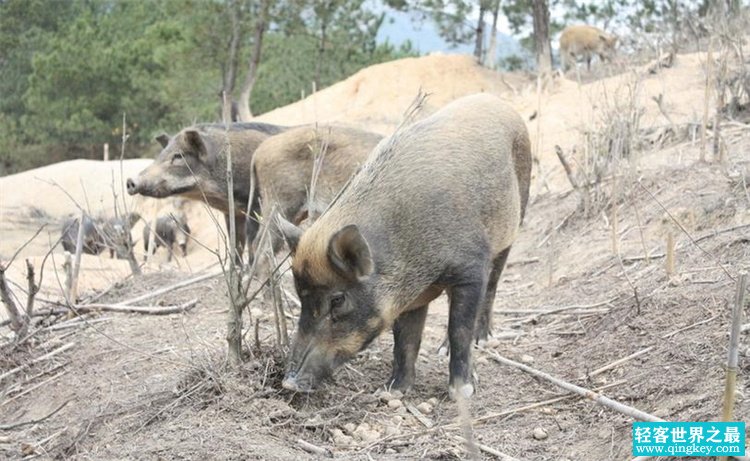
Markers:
<point>170,229</point>
<point>93,242</point>
<point>115,233</point>
<point>435,208</point>
<point>283,168</point>
<point>192,164</point>
<point>585,41</point>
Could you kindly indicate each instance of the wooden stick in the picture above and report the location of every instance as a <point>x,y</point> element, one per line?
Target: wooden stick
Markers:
<point>32,388</point>
<point>487,449</point>
<point>669,335</point>
<point>73,288</point>
<point>42,358</point>
<point>734,342</point>
<point>7,427</point>
<point>164,290</point>
<point>566,167</point>
<point>544,403</point>
<point>706,96</point>
<point>596,398</point>
<point>601,370</point>
<point>151,310</point>
<point>670,254</point>
<point>314,449</point>
<point>19,322</point>
<point>426,422</point>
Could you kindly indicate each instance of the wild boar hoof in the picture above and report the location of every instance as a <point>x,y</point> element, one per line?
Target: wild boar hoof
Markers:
<point>464,390</point>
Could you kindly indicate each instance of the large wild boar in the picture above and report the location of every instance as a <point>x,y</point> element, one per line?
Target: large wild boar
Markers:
<point>283,168</point>
<point>192,164</point>
<point>435,208</point>
<point>585,41</point>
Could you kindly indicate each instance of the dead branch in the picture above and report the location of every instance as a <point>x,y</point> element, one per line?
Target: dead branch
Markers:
<point>567,167</point>
<point>593,396</point>
<point>614,364</point>
<point>426,422</point>
<point>170,288</point>
<point>487,449</point>
<point>7,427</point>
<point>32,287</point>
<point>680,330</point>
<point>150,310</point>
<point>665,60</point>
<point>19,321</point>
<point>314,449</point>
<point>42,358</point>
<point>33,388</point>
<point>72,293</point>
<point>544,403</point>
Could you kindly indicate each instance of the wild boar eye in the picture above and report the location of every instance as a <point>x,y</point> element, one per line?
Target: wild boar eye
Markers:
<point>177,159</point>
<point>337,303</point>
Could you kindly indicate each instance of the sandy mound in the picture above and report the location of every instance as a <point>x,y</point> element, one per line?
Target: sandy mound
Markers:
<point>375,98</point>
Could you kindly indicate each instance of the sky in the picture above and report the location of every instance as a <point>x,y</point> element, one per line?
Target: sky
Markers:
<point>399,27</point>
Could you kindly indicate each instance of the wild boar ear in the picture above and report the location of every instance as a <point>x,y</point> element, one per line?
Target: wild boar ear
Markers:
<point>290,232</point>
<point>162,139</point>
<point>349,254</point>
<point>195,142</point>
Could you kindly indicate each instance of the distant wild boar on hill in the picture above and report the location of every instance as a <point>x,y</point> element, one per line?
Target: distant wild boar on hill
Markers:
<point>585,42</point>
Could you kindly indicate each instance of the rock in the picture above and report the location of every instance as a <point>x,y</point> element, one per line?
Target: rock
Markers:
<point>350,427</point>
<point>395,403</point>
<point>385,396</point>
<point>425,408</point>
<point>398,419</point>
<point>493,343</point>
<point>527,359</point>
<point>369,436</point>
<point>433,401</point>
<point>481,360</point>
<point>539,433</point>
<point>390,451</point>
<point>391,430</point>
<point>401,410</point>
<point>397,394</point>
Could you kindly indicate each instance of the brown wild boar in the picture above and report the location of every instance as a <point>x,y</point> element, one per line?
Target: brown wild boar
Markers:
<point>585,41</point>
<point>192,164</point>
<point>283,168</point>
<point>435,208</point>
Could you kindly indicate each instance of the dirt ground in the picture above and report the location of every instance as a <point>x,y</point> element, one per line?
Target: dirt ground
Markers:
<point>156,387</point>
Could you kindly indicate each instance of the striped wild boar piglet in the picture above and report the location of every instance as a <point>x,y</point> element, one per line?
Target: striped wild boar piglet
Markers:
<point>435,208</point>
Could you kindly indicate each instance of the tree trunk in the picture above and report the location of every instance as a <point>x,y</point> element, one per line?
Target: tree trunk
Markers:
<point>541,37</point>
<point>491,58</point>
<point>230,75</point>
<point>478,45</point>
<point>243,105</point>
<point>321,52</point>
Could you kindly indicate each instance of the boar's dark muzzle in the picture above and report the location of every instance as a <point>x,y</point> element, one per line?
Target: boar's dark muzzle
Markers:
<point>131,186</point>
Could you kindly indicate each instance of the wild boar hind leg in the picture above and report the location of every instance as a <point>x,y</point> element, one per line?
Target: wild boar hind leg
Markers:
<point>483,328</point>
<point>407,337</point>
<point>465,301</point>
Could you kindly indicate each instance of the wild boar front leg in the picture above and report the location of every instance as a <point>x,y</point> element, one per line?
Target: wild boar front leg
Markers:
<point>407,337</point>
